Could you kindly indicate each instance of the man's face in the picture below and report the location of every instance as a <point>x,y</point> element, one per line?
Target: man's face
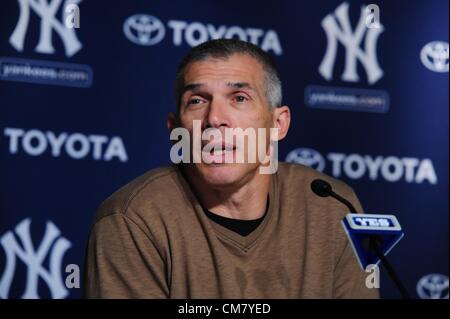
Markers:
<point>226,93</point>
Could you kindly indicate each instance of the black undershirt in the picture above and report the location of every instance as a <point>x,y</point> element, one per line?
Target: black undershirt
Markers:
<point>240,226</point>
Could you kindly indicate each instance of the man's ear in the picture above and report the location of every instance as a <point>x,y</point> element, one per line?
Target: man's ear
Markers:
<point>282,120</point>
<point>172,121</point>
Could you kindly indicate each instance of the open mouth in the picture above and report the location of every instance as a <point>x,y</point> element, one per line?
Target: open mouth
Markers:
<point>219,153</point>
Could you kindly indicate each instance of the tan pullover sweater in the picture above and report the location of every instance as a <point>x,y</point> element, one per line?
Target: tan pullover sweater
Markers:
<point>152,239</point>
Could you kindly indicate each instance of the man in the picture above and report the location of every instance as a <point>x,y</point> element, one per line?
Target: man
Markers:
<point>220,229</point>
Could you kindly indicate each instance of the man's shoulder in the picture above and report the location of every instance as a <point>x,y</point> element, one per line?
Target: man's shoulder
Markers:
<point>143,190</point>
<point>299,177</point>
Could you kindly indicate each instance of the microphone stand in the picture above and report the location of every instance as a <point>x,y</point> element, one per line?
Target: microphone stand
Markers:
<point>375,246</point>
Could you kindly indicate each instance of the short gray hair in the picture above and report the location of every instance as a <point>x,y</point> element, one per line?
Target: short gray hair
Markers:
<point>224,48</point>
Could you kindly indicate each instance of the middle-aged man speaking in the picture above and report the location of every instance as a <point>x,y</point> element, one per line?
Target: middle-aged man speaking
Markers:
<point>216,228</point>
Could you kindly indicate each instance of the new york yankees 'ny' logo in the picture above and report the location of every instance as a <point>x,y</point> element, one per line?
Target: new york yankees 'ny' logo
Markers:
<point>50,245</point>
<point>46,10</point>
<point>337,27</point>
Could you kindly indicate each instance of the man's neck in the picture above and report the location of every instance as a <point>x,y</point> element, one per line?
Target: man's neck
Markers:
<point>247,201</point>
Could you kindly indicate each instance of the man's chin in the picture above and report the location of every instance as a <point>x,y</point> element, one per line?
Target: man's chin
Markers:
<point>222,174</point>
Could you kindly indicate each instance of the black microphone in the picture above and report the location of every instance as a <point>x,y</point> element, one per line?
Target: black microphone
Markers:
<point>374,242</point>
<point>323,189</point>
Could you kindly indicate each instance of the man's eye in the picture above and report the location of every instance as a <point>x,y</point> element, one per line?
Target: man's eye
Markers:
<point>194,101</point>
<point>240,98</point>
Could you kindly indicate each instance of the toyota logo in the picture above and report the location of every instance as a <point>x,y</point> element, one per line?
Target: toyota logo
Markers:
<point>308,157</point>
<point>435,56</point>
<point>144,29</point>
<point>433,286</point>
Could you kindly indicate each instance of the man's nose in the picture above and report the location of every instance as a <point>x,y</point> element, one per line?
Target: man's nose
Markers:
<point>217,116</point>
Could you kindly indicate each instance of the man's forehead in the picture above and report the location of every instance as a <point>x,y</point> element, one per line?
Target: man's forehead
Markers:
<point>234,65</point>
<point>236,71</point>
<point>244,58</point>
<point>228,84</point>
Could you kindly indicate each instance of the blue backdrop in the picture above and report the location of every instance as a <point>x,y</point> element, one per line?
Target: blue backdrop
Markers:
<point>83,111</point>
